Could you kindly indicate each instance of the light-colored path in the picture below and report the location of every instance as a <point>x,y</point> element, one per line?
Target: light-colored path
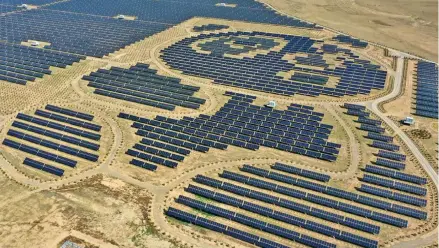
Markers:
<point>373,106</point>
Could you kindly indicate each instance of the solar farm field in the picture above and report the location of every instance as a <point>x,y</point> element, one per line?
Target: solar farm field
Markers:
<point>208,124</point>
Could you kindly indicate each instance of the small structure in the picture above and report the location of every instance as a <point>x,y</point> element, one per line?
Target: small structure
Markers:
<point>121,17</point>
<point>271,104</point>
<point>409,121</point>
<point>23,6</point>
<point>70,244</point>
<point>35,43</point>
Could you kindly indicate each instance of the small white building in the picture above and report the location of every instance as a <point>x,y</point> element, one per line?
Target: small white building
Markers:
<point>23,6</point>
<point>35,43</point>
<point>271,104</point>
<point>409,121</point>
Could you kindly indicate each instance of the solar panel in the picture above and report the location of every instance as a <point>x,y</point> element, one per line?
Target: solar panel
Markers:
<point>354,106</point>
<point>39,153</point>
<point>301,172</point>
<point>384,145</point>
<point>396,175</point>
<point>70,112</point>
<point>394,196</point>
<point>44,167</point>
<point>390,164</point>
<point>394,185</point>
<point>391,155</point>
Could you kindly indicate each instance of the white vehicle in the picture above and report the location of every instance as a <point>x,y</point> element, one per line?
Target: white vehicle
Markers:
<point>120,17</point>
<point>35,43</point>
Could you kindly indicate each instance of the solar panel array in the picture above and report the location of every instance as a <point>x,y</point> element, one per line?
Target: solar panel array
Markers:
<point>427,90</point>
<point>7,8</point>
<point>261,71</point>
<point>85,34</point>
<point>175,12</point>
<point>209,27</point>
<point>20,64</point>
<point>249,221</point>
<point>326,190</point>
<point>227,230</point>
<point>238,123</point>
<point>141,84</point>
<point>353,41</point>
<point>388,156</point>
<point>28,131</point>
<point>276,213</point>
<point>31,2</point>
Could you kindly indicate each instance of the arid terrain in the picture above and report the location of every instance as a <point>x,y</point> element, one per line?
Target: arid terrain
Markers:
<point>408,26</point>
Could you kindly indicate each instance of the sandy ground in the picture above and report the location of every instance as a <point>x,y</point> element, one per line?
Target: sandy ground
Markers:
<point>409,26</point>
<point>110,203</point>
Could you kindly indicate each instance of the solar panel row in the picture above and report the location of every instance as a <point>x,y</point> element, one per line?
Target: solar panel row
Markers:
<point>301,172</point>
<point>379,137</point>
<point>144,165</point>
<point>391,155</point>
<point>394,185</point>
<point>44,167</point>
<point>69,112</point>
<point>393,195</point>
<point>278,215</point>
<point>53,145</point>
<point>396,175</point>
<point>371,128</point>
<point>227,230</point>
<point>327,190</point>
<point>258,224</point>
<point>390,164</point>
<point>56,135</point>
<point>385,146</point>
<point>365,120</point>
<point>39,153</point>
<point>300,195</point>
<point>55,125</point>
<point>68,120</point>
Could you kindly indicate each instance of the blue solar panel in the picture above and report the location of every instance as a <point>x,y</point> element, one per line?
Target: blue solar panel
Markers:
<point>44,167</point>
<point>394,185</point>
<point>396,175</point>
<point>39,153</point>
<point>302,195</point>
<point>427,90</point>
<point>394,196</point>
